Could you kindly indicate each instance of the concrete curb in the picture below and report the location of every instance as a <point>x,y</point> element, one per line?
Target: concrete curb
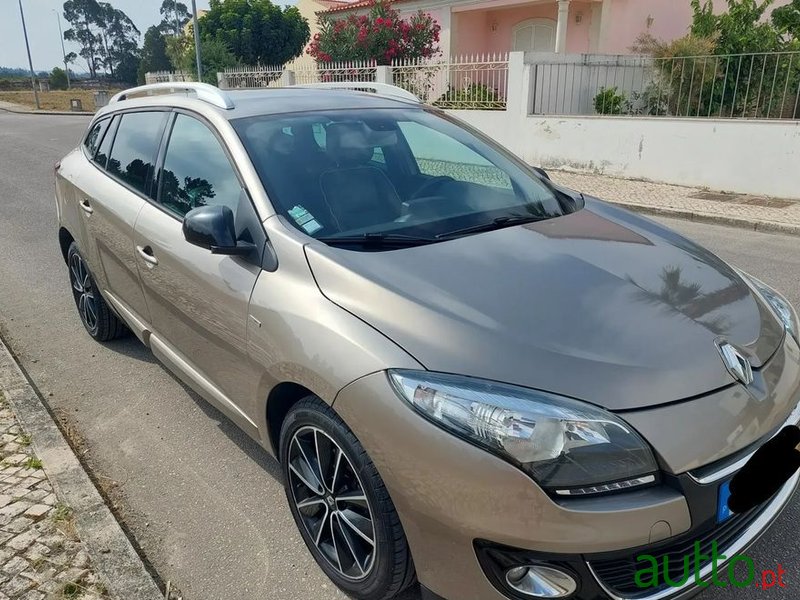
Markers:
<point>762,226</point>
<point>61,113</point>
<point>112,554</point>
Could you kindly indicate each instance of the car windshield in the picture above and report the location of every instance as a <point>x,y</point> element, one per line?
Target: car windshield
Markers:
<point>389,174</point>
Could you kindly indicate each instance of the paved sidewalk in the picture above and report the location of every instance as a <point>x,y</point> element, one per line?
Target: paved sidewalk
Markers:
<point>739,210</point>
<point>41,557</point>
<point>58,538</point>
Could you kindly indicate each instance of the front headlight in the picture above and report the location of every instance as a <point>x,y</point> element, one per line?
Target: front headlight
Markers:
<point>568,447</point>
<point>783,309</point>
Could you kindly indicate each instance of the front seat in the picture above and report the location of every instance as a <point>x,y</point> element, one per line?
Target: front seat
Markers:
<point>358,195</point>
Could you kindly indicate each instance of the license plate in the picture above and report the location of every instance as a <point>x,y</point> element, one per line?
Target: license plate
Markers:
<point>723,512</point>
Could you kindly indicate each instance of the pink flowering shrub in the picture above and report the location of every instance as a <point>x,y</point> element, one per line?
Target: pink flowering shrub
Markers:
<point>381,36</point>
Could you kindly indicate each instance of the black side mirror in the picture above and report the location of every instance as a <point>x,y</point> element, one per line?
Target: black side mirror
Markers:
<point>212,228</point>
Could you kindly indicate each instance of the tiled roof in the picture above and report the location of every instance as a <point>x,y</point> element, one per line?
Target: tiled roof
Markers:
<point>343,6</point>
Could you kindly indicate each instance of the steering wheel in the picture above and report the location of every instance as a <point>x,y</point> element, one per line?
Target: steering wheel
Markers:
<point>431,183</point>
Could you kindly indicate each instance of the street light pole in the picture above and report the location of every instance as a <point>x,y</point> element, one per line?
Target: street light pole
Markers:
<point>30,61</point>
<point>63,51</point>
<point>196,41</point>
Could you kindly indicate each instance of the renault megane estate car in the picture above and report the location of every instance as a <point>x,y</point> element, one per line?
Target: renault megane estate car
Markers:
<point>472,377</point>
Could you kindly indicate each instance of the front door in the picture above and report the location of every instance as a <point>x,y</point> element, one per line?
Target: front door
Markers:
<point>535,35</point>
<point>198,301</point>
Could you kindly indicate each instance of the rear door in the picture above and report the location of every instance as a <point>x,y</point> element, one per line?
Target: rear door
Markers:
<point>198,301</point>
<point>112,202</point>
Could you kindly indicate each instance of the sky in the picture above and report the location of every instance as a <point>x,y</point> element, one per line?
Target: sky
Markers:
<point>40,17</point>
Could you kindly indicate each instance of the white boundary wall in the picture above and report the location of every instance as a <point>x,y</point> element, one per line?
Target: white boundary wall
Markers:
<point>745,156</point>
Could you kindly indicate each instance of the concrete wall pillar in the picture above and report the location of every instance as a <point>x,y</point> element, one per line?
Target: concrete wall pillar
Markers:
<point>383,74</point>
<point>287,78</point>
<point>561,27</point>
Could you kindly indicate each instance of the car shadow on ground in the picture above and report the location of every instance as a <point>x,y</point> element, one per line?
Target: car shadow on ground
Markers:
<point>132,347</point>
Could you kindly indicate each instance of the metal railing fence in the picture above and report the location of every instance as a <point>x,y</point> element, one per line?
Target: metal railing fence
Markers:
<point>166,76</point>
<point>477,82</point>
<point>737,86</point>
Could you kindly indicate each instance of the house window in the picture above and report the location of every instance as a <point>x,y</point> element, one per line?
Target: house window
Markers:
<point>535,35</point>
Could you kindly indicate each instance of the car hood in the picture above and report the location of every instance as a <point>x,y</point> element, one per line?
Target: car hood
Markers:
<point>600,305</point>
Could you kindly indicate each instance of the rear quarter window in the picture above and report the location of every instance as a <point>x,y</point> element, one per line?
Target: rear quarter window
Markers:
<point>101,157</point>
<point>95,136</point>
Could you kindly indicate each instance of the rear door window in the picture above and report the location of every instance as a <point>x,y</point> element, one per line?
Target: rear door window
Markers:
<point>135,148</point>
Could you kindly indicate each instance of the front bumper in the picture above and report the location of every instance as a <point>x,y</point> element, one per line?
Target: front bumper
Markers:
<point>451,495</point>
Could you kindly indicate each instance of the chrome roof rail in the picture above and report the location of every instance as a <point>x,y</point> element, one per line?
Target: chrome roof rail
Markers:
<point>203,91</point>
<point>381,89</point>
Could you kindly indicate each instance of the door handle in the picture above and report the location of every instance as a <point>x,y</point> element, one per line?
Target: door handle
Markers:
<point>84,204</point>
<point>146,252</point>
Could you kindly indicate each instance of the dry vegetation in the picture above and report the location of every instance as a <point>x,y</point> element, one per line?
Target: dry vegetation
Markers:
<point>53,100</point>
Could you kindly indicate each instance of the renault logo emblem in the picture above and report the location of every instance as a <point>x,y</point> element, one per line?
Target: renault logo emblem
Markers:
<point>737,365</point>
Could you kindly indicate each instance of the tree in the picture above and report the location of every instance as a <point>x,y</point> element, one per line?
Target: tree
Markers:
<point>729,65</point>
<point>381,36</point>
<point>256,31</point>
<point>83,15</point>
<point>741,29</point>
<point>108,38</point>
<point>787,20</point>
<point>154,53</point>
<point>175,17</point>
<point>214,54</point>
<point>127,69</point>
<point>58,79</point>
<point>120,38</point>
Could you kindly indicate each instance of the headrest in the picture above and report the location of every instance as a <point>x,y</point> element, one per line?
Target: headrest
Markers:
<point>348,143</point>
<point>282,143</point>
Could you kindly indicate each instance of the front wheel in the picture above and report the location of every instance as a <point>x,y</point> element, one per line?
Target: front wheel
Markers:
<point>96,316</point>
<point>341,505</point>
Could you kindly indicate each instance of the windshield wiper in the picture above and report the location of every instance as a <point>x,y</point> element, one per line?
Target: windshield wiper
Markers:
<point>395,240</point>
<point>497,223</point>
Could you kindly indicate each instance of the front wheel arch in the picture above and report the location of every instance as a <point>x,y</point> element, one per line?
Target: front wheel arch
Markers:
<point>65,239</point>
<point>280,401</point>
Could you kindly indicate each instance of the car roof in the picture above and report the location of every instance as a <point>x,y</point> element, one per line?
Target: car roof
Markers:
<point>270,101</point>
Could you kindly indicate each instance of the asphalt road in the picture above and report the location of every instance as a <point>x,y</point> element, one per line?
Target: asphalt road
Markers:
<point>204,503</point>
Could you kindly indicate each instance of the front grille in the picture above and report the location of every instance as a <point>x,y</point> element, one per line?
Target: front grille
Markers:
<point>618,575</point>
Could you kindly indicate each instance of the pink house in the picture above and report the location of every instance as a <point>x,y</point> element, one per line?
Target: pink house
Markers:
<point>574,26</point>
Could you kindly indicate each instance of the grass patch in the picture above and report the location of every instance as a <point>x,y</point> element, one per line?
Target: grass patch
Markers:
<point>53,100</point>
<point>61,513</point>
<point>71,589</point>
<point>24,439</point>
<point>33,463</point>
<point>64,521</point>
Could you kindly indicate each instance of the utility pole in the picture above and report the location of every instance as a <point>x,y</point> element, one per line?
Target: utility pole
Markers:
<point>63,51</point>
<point>196,41</point>
<point>30,61</point>
<point>175,12</point>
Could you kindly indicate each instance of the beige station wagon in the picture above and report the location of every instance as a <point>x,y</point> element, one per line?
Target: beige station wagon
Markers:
<point>473,378</point>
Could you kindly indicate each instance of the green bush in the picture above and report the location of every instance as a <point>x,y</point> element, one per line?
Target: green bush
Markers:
<point>58,79</point>
<point>609,101</point>
<point>474,95</point>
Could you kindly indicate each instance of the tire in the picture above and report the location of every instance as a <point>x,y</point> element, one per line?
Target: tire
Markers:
<point>96,316</point>
<point>336,509</point>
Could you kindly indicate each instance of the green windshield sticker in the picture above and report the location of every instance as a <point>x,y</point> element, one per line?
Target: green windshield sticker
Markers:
<point>305,219</point>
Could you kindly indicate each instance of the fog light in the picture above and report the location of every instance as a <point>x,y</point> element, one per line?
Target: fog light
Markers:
<point>538,581</point>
